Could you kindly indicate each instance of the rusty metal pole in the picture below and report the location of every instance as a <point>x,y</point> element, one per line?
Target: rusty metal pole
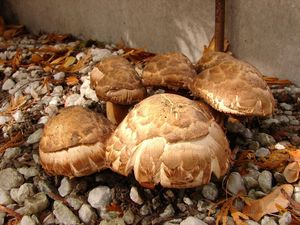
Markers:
<point>219,25</point>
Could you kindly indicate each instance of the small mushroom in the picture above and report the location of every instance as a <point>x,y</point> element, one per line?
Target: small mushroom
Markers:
<point>171,140</point>
<point>232,86</point>
<point>116,81</point>
<point>73,142</point>
<point>172,70</point>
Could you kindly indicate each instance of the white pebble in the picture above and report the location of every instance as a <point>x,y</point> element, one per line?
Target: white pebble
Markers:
<point>59,76</point>
<point>191,220</point>
<point>8,84</point>
<point>35,137</point>
<point>99,197</point>
<point>18,116</point>
<point>135,196</point>
<point>65,187</point>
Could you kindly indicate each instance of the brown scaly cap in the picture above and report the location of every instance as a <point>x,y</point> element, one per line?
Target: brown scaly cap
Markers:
<point>115,80</point>
<point>173,70</point>
<point>232,86</point>
<point>169,139</point>
<point>73,142</point>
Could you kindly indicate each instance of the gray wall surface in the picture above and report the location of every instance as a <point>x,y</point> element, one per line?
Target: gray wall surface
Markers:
<point>264,33</point>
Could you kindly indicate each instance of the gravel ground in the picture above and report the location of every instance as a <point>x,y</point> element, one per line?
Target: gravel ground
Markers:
<point>35,86</point>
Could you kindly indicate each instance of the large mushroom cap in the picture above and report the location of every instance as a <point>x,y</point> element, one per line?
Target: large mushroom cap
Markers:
<point>73,142</point>
<point>171,140</point>
<point>115,80</point>
<point>173,70</point>
<point>232,86</point>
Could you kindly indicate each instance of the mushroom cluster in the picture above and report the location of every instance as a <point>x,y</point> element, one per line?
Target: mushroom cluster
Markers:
<point>166,138</point>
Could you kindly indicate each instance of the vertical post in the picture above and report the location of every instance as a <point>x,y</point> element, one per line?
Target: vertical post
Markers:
<point>219,25</point>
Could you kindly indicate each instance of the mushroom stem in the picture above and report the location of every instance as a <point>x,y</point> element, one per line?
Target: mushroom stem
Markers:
<point>115,112</point>
<point>219,25</point>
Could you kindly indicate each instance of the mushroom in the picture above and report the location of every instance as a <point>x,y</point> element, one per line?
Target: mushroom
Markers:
<point>232,86</point>
<point>172,70</point>
<point>171,140</point>
<point>73,142</point>
<point>116,81</point>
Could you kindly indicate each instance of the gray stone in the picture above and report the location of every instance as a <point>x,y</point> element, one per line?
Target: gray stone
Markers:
<point>235,183</point>
<point>209,220</point>
<point>86,91</point>
<point>265,181</point>
<point>191,220</point>
<point>18,75</point>
<point>27,220</point>
<point>65,187</point>
<point>296,195</point>
<point>251,222</point>
<point>210,191</point>
<point>55,100</point>
<point>135,196</point>
<point>128,216</point>
<point>265,139</point>
<point>286,106</point>
<point>28,172</point>
<point>11,153</point>
<point>145,210</point>
<point>63,214</point>
<point>59,76</point>
<point>268,122</point>
<point>2,218</point>
<point>35,137</point>
<point>187,201</point>
<point>36,203</point>
<point>51,110</point>
<point>8,84</point>
<point>262,152</point>
<point>22,193</point>
<point>43,120</point>
<point>4,119</point>
<point>49,220</point>
<point>100,197</point>
<point>18,116</point>
<point>74,99</point>
<point>235,127</point>
<point>295,140</point>
<point>250,182</point>
<point>5,198</point>
<point>98,54</point>
<point>74,201</point>
<point>169,211</point>
<point>266,220</point>
<point>87,214</point>
<point>285,219</point>
<point>10,178</point>
<point>116,221</point>
<point>253,145</point>
<point>57,91</point>
<point>294,122</point>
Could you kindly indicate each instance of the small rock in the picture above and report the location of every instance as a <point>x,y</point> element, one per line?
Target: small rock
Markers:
<point>65,187</point>
<point>86,91</point>
<point>262,152</point>
<point>27,220</point>
<point>74,99</point>
<point>18,75</point>
<point>8,84</point>
<point>169,195</point>
<point>279,146</point>
<point>296,195</point>
<point>35,137</point>
<point>294,122</point>
<point>128,216</point>
<point>4,119</point>
<point>57,91</point>
<point>18,116</point>
<point>235,183</point>
<point>265,181</point>
<point>99,197</point>
<point>250,182</point>
<point>145,210</point>
<point>12,153</point>
<point>265,139</point>
<point>209,220</point>
<point>210,191</point>
<point>253,145</point>
<point>286,106</point>
<point>191,220</point>
<point>51,110</point>
<point>116,221</point>
<point>187,201</point>
<point>251,222</point>
<point>285,219</point>
<point>169,211</point>
<point>49,220</point>
<point>43,120</point>
<point>266,220</point>
<point>295,140</point>
<point>135,196</point>
<point>2,218</point>
<point>5,199</point>
<point>28,172</point>
<point>235,127</point>
<point>268,122</point>
<point>279,177</point>
<point>59,76</point>
<point>55,100</point>
<point>74,201</point>
<point>10,178</point>
<point>63,214</point>
<point>98,54</point>
<point>22,193</point>
<point>87,214</point>
<point>36,203</point>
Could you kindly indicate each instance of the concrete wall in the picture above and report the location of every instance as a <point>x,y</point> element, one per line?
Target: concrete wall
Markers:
<point>264,33</point>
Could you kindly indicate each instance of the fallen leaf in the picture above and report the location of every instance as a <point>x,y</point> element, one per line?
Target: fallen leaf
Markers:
<point>238,216</point>
<point>16,61</point>
<point>276,81</point>
<point>69,61</point>
<point>36,58</point>
<point>15,141</point>
<point>295,155</point>
<point>56,38</point>
<point>291,172</point>
<point>13,31</point>
<point>270,203</point>
<point>72,80</point>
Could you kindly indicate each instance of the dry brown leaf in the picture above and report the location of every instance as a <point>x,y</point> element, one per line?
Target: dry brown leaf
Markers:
<point>10,212</point>
<point>291,172</point>
<point>69,61</point>
<point>48,69</point>
<point>14,104</point>
<point>56,38</point>
<point>16,61</point>
<point>15,141</point>
<point>270,203</point>
<point>238,216</point>
<point>36,58</point>
<point>295,155</point>
<point>13,31</point>
<point>80,64</point>
<point>72,80</point>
